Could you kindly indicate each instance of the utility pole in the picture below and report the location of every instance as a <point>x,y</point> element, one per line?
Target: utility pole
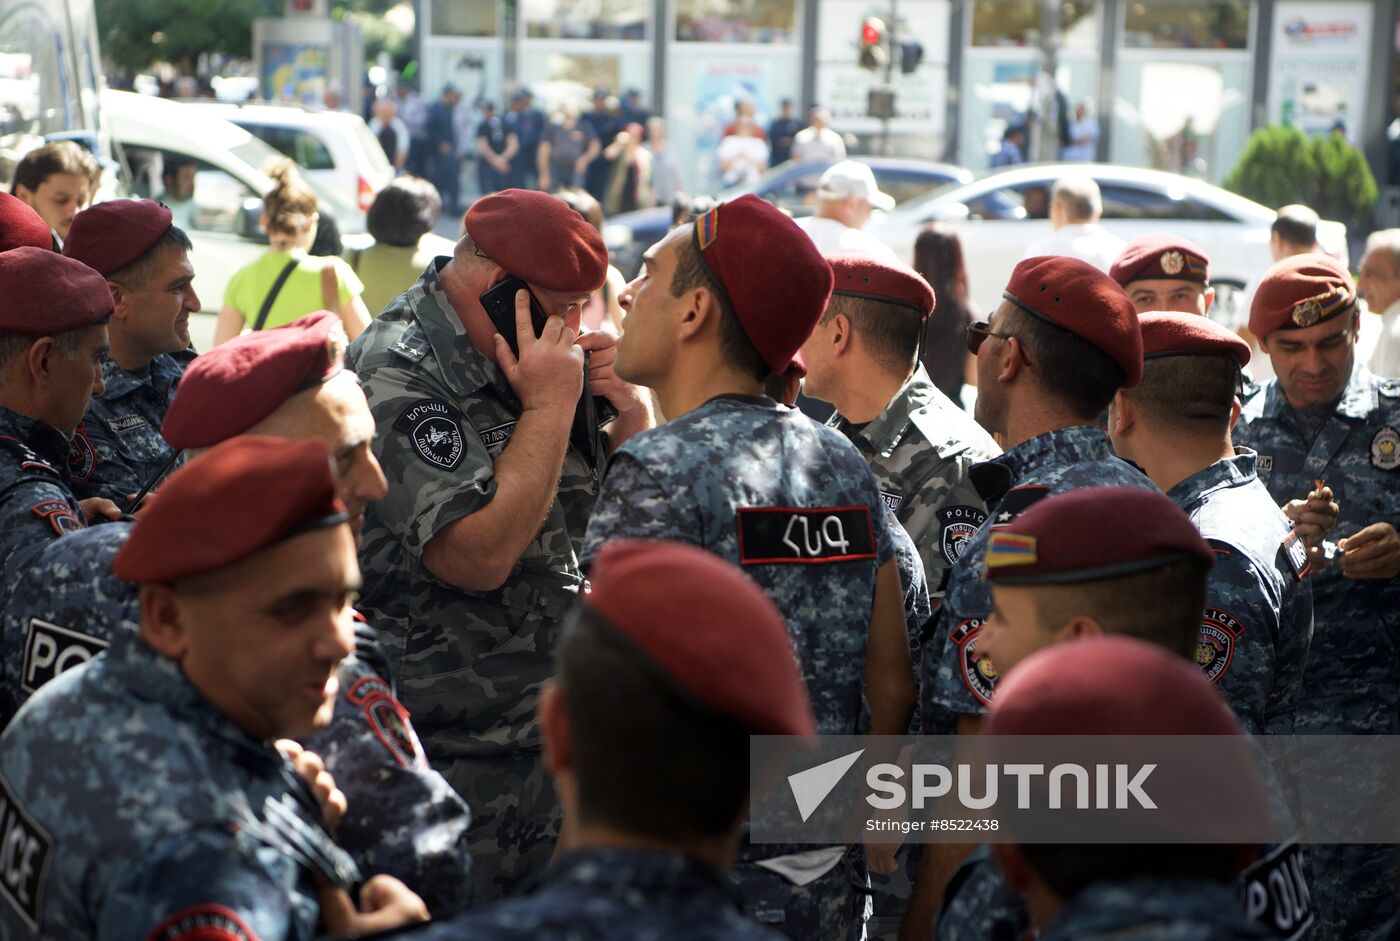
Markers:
<point>1044,141</point>
<point>886,143</point>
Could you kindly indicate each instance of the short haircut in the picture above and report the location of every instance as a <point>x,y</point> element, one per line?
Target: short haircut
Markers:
<point>648,759</point>
<point>14,345</point>
<point>1386,241</point>
<point>1296,225</point>
<point>889,331</point>
<point>138,273</point>
<point>404,211</point>
<point>1070,869</point>
<point>1172,619</point>
<point>1192,395</point>
<point>691,273</point>
<point>171,164</point>
<point>63,156</point>
<point>1069,369</point>
<point>1080,196</point>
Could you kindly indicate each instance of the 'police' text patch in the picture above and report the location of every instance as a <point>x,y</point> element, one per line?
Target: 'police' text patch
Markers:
<point>775,535</point>
<point>435,431</point>
<point>50,650</point>
<point>1276,893</point>
<point>24,857</point>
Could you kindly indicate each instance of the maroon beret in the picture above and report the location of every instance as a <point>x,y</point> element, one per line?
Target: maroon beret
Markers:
<point>876,280</point>
<point>229,503</point>
<point>231,388</point>
<point>1045,544</point>
<point>109,236</point>
<point>21,225</point>
<point>1301,291</point>
<point>1150,257</point>
<point>1078,297</point>
<point>540,239</point>
<point>777,282</point>
<point>708,626</point>
<point>43,293</point>
<point>1168,333</point>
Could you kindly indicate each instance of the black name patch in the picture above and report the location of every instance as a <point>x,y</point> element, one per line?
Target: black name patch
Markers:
<point>127,422</point>
<point>495,439</point>
<point>1276,893</point>
<point>24,857</point>
<point>50,650</point>
<point>772,535</point>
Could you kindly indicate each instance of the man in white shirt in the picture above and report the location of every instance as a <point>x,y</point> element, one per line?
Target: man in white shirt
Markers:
<point>1075,208</point>
<point>1378,281</point>
<point>817,141</point>
<point>846,196</point>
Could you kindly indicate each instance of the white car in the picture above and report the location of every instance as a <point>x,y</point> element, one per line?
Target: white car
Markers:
<point>334,149</point>
<point>1000,213</point>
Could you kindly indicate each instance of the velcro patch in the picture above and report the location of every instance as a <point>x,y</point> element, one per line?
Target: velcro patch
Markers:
<point>82,459</point>
<point>389,720</point>
<point>203,923</point>
<point>771,535</point>
<point>50,650</point>
<point>1297,552</point>
<point>1017,501</point>
<point>1276,893</point>
<point>24,858</point>
<point>1215,647</point>
<point>979,675</point>
<point>495,439</point>
<point>434,430</point>
<point>893,501</point>
<point>127,422</point>
<point>1010,549</point>
<point>59,514</point>
<point>959,525</point>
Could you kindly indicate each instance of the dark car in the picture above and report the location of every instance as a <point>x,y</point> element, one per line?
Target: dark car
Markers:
<point>791,186</point>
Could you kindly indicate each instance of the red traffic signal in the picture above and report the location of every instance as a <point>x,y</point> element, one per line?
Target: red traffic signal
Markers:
<point>872,31</point>
<point>873,54</point>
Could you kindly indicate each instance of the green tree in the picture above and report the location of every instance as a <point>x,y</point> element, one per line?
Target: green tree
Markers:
<point>1346,189</point>
<point>1282,165</point>
<point>136,33</point>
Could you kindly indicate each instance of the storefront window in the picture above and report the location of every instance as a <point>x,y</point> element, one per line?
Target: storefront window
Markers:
<point>772,21</point>
<point>1186,24</point>
<point>586,19</point>
<point>455,18</point>
<point>1017,23</point>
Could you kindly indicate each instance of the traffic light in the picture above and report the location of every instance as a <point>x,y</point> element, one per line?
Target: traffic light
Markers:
<point>873,54</point>
<point>910,55</point>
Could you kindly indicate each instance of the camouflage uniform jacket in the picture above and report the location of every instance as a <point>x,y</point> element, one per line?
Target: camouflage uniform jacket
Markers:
<point>1351,684</point>
<point>470,663</point>
<point>1153,910</point>
<point>36,497</point>
<point>786,499</point>
<point>403,819</point>
<point>133,808</point>
<point>920,449</point>
<point>956,682</point>
<point>118,447</point>
<point>613,895</point>
<point>1258,619</point>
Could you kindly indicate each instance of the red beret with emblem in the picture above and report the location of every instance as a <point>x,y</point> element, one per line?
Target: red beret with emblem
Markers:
<point>708,627</point>
<point>540,239</point>
<point>229,503</point>
<point>21,225</point>
<point>876,280</point>
<point>1076,296</point>
<point>777,282</point>
<point>43,293</point>
<point>1159,256</point>
<point>1301,291</point>
<point>1178,334</point>
<point>109,236</point>
<point>1045,544</point>
<point>231,388</point>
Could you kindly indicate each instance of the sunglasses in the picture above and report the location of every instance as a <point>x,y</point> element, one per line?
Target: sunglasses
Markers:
<point>977,333</point>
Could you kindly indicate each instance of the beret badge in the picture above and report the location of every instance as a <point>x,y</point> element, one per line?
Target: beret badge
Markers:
<point>1172,262</point>
<point>1307,313</point>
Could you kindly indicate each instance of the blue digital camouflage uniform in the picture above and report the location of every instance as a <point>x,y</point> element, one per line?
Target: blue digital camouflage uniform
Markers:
<point>470,663</point>
<point>794,504</point>
<point>1153,910</point>
<point>36,497</point>
<point>402,819</point>
<point>920,449</point>
<point>613,894</point>
<point>118,448</point>
<point>1351,684</point>
<point>956,682</point>
<point>1258,619</point>
<point>132,808</point>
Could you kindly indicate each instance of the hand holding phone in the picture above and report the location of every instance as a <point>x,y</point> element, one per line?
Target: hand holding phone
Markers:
<point>538,355</point>
<point>499,302</point>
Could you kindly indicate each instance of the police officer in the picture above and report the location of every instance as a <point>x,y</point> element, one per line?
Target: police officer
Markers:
<point>766,488</point>
<point>1175,425</point>
<point>526,122</point>
<point>142,791</point>
<point>1326,420</point>
<point>53,332</point>
<point>1049,360</point>
<point>674,659</point>
<point>118,449</point>
<point>1164,272</point>
<point>863,359</point>
<point>471,558</point>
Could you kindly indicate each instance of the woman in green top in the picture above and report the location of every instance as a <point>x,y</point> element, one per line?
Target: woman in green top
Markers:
<point>285,283</point>
<point>401,219</point>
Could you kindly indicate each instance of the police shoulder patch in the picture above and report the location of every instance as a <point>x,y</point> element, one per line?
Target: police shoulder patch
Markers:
<point>957,525</point>
<point>1215,647</point>
<point>1297,552</point>
<point>434,430</point>
<point>1385,449</point>
<point>50,650</point>
<point>1276,893</point>
<point>771,535</point>
<point>25,848</point>
<point>82,459</point>
<point>1017,500</point>
<point>978,675</point>
<point>59,514</point>
<point>388,719</point>
<point>203,923</point>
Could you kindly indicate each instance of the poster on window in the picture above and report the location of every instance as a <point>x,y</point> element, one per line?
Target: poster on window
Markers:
<point>1320,61</point>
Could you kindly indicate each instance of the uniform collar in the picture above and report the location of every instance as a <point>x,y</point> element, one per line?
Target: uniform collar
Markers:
<point>610,871</point>
<point>1072,445</point>
<point>1359,399</point>
<point>47,442</point>
<point>464,369</point>
<point>160,371</point>
<point>1224,474</point>
<point>887,428</point>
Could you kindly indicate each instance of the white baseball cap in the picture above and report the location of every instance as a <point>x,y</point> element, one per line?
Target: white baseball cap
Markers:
<point>852,178</point>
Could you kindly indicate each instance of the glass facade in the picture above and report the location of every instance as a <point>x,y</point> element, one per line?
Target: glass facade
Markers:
<point>586,19</point>
<point>1187,24</point>
<point>765,21</point>
<point>473,18</point>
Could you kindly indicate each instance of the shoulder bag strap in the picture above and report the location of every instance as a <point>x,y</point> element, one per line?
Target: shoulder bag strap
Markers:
<point>272,294</point>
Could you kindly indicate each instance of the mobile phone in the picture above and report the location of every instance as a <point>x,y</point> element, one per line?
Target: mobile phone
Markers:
<point>499,302</point>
